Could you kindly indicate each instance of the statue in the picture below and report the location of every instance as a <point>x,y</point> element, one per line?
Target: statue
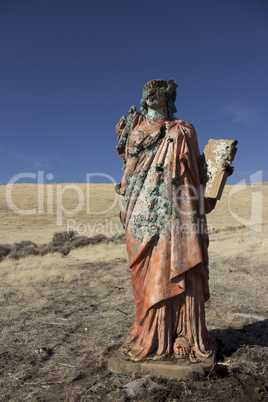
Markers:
<point>164,216</point>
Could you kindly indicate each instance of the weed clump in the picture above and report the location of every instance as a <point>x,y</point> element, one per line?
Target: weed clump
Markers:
<point>5,250</point>
<point>23,249</point>
<point>60,238</point>
<point>62,242</point>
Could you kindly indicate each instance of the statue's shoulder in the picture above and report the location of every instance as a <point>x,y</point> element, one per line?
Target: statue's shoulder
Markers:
<point>125,127</point>
<point>186,124</point>
<point>131,120</point>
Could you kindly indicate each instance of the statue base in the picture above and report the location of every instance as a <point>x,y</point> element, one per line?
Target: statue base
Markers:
<point>170,367</point>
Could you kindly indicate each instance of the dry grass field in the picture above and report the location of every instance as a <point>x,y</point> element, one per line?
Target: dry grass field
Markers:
<point>65,309</point>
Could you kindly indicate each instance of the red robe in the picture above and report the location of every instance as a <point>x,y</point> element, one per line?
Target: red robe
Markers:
<point>166,237</point>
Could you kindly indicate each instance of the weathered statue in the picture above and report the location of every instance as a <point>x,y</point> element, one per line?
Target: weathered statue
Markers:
<point>164,218</point>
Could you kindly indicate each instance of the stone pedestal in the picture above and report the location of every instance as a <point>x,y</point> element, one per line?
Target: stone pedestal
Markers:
<point>170,367</point>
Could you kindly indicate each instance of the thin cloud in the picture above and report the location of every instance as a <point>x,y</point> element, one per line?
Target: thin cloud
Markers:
<point>244,172</point>
<point>31,160</point>
<point>240,112</point>
<point>37,162</point>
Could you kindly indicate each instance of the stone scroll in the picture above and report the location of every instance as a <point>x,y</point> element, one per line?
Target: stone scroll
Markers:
<point>215,166</point>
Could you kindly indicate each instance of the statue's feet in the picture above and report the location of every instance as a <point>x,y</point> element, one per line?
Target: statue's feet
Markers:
<point>125,349</point>
<point>133,334</point>
<point>134,358</point>
<point>128,349</point>
<point>138,358</point>
<point>181,347</point>
<point>160,357</point>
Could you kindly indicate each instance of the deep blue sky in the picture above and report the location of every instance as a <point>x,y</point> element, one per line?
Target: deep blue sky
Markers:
<point>71,68</point>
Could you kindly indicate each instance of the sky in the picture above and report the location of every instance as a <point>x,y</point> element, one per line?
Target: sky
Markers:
<point>71,68</point>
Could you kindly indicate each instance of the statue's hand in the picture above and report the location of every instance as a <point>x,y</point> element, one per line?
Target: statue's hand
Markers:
<point>119,190</point>
<point>229,170</point>
<point>172,86</point>
<point>210,204</point>
<point>171,82</point>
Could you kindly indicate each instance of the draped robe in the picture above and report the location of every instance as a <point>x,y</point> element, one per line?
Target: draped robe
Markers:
<point>166,238</point>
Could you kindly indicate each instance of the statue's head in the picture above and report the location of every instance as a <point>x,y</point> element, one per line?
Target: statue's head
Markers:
<point>159,93</point>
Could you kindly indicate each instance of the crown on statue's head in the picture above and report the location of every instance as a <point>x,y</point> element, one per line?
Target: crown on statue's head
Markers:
<point>155,84</point>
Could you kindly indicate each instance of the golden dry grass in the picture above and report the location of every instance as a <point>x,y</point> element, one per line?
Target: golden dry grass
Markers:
<point>92,218</point>
<point>100,252</point>
<point>34,269</point>
<point>229,238</point>
<point>26,273</point>
<point>98,215</point>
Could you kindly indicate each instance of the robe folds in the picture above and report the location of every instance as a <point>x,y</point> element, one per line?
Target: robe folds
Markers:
<point>163,215</point>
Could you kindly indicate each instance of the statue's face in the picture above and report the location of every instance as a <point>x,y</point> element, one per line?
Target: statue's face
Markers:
<point>156,98</point>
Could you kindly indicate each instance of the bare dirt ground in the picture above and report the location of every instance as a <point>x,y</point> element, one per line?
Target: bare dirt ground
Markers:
<point>63,314</point>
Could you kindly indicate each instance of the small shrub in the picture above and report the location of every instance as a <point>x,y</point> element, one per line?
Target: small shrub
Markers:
<point>119,239</point>
<point>60,238</point>
<point>5,249</point>
<point>24,245</point>
<point>62,242</point>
